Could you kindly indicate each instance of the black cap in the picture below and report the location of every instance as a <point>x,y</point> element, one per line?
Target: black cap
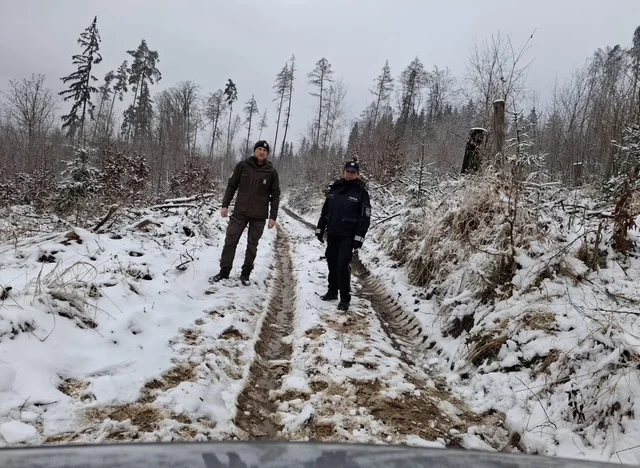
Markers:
<point>352,166</point>
<point>261,144</point>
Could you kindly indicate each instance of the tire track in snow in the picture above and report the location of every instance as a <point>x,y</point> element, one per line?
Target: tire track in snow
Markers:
<point>402,327</point>
<point>255,408</point>
<point>402,399</point>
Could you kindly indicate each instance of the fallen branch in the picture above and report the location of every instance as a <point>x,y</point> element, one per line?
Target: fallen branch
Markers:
<point>170,205</point>
<point>190,199</point>
<point>142,224</point>
<point>183,265</point>
<point>112,210</point>
<point>386,219</point>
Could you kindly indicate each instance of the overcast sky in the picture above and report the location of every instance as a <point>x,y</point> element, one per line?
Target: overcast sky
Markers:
<point>209,41</point>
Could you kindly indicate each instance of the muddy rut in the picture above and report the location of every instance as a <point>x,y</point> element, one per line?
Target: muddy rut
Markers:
<point>255,408</point>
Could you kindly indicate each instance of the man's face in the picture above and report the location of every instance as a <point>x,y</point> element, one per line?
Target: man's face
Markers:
<point>262,154</point>
<point>350,174</point>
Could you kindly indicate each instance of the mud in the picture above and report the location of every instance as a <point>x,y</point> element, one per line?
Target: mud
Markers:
<point>255,408</point>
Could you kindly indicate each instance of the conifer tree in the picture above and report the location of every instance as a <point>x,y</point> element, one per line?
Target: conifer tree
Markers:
<point>250,110</point>
<point>119,88</point>
<point>382,90</point>
<point>319,77</point>
<point>231,96</point>
<point>289,95</point>
<point>80,89</point>
<point>142,73</point>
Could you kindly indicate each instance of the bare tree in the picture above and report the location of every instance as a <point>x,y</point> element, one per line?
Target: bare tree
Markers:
<point>496,70</point>
<point>213,111</point>
<point>30,109</point>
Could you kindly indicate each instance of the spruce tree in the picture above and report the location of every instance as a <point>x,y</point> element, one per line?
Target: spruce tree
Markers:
<point>250,110</point>
<point>289,95</point>
<point>280,87</point>
<point>382,90</point>
<point>80,89</point>
<point>143,72</point>
<point>119,88</point>
<point>319,77</point>
<point>105,94</point>
<point>231,96</point>
<point>262,124</point>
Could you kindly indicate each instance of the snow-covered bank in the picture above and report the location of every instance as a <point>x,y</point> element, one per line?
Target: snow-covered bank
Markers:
<point>112,337</point>
<point>553,343</point>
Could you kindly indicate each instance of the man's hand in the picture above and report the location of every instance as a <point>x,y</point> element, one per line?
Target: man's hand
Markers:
<point>272,223</point>
<point>225,212</point>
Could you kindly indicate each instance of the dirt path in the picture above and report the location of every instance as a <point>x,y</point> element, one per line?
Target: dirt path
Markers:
<point>424,408</point>
<point>402,328</point>
<point>273,351</point>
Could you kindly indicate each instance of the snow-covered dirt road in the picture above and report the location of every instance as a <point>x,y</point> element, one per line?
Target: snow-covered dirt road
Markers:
<point>119,337</point>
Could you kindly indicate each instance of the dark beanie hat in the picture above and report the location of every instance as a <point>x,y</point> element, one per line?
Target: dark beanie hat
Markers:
<point>261,144</point>
<point>352,166</point>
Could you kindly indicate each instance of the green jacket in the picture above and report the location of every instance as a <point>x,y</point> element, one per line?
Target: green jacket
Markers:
<point>258,189</point>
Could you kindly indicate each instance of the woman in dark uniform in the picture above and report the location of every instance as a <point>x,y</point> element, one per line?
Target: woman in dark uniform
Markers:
<point>345,218</point>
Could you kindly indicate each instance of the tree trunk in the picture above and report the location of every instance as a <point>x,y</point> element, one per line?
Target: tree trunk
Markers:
<point>133,107</point>
<point>375,115</point>
<point>95,128</point>
<point>107,129</point>
<point>275,142</point>
<point>246,147</point>
<point>286,124</point>
<point>471,161</point>
<point>320,109</point>
<point>84,111</point>
<point>213,137</point>
<point>577,174</point>
<point>499,129</point>
<point>229,132</point>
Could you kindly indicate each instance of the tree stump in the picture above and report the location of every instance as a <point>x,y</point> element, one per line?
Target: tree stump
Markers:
<point>471,161</point>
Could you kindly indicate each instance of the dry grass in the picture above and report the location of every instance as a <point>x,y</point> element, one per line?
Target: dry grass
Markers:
<point>72,387</point>
<point>145,417</point>
<point>485,346</point>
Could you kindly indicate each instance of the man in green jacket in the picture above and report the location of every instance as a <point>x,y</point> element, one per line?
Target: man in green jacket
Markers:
<point>258,186</point>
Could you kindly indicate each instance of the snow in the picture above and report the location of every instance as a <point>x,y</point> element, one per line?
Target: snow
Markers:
<point>571,330</point>
<point>15,432</point>
<point>99,326</point>
<point>111,314</point>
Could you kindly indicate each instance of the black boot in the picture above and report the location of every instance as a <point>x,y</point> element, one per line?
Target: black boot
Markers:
<point>244,279</point>
<point>219,277</point>
<point>329,296</point>
<point>343,305</point>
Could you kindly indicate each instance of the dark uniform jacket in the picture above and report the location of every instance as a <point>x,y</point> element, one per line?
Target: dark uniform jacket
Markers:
<point>346,211</point>
<point>258,189</point>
